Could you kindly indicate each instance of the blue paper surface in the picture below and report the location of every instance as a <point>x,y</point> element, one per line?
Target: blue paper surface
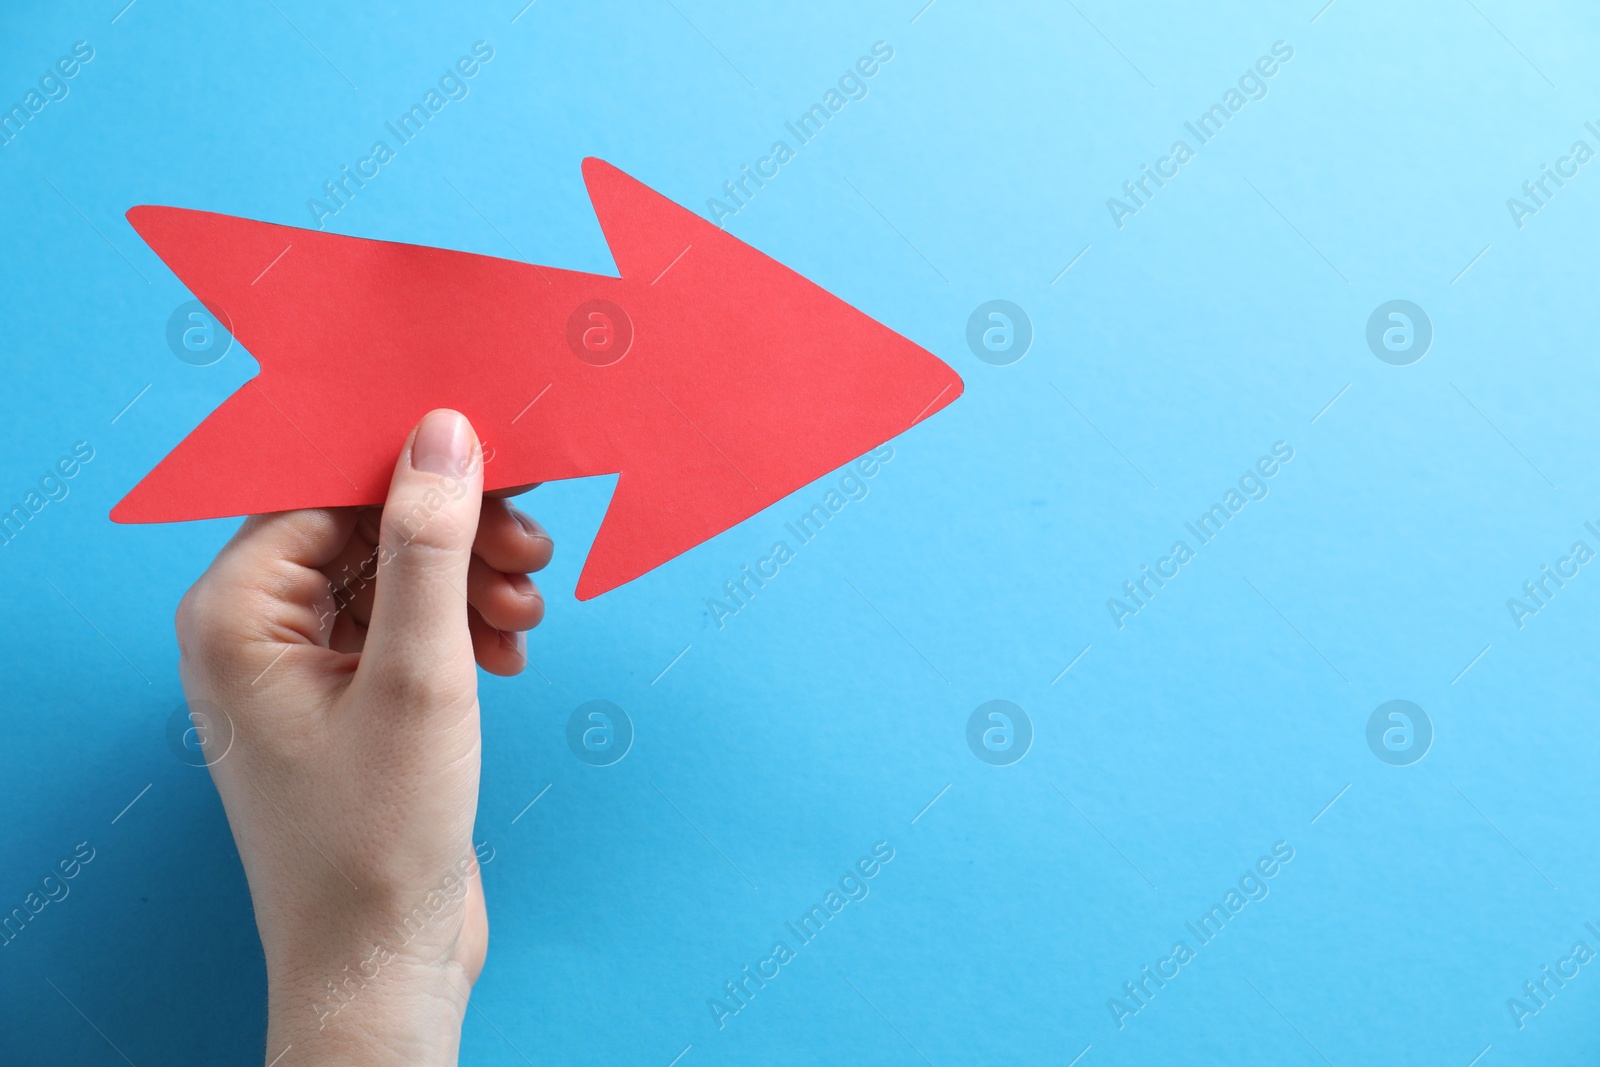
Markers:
<point>1183,736</point>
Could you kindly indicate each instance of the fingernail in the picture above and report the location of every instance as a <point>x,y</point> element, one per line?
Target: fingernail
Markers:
<point>443,444</point>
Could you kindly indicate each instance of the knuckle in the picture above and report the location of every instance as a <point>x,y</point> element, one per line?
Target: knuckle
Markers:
<point>220,626</point>
<point>421,529</point>
<point>406,688</point>
<point>196,620</point>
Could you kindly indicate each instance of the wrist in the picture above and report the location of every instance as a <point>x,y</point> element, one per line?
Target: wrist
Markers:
<point>381,979</point>
<point>375,1009</point>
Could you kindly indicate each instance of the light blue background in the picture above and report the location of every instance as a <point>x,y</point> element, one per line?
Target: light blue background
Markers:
<point>821,719</point>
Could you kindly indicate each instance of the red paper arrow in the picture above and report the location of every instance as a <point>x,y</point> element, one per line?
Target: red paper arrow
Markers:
<point>711,377</point>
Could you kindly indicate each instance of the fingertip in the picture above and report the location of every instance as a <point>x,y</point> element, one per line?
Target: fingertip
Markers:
<point>500,652</point>
<point>510,541</point>
<point>541,546</point>
<point>506,601</point>
<point>533,600</point>
<point>512,490</point>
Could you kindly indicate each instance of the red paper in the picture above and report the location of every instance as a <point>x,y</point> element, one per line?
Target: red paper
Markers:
<point>741,382</point>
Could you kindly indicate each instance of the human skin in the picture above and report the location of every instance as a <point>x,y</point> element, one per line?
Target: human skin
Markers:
<point>341,647</point>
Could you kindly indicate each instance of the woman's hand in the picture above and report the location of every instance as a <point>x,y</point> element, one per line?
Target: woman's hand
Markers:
<point>332,652</point>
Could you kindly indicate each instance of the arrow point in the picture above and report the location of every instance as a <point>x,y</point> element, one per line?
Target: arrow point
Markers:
<point>152,221</point>
<point>589,587</point>
<point>644,230</point>
<point>951,392</point>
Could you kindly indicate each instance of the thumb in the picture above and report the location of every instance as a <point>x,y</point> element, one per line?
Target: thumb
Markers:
<point>417,639</point>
